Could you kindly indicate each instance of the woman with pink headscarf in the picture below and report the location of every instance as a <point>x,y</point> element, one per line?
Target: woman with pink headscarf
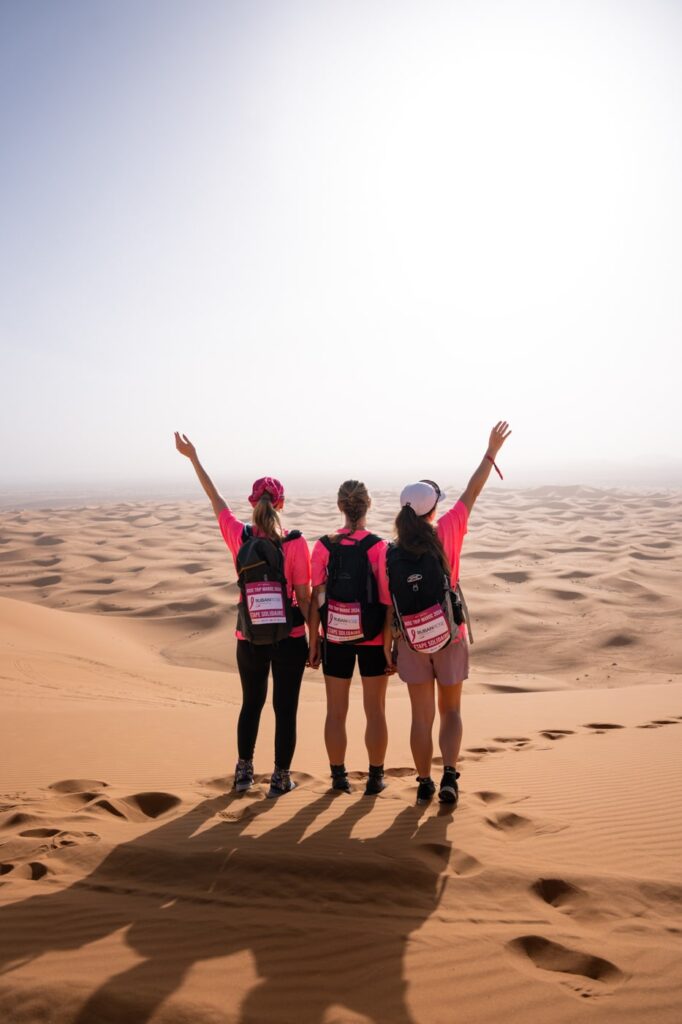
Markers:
<point>286,657</point>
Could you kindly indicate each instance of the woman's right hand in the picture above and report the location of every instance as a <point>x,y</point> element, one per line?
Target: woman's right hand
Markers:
<point>314,652</point>
<point>184,445</point>
<point>390,663</point>
<point>498,435</point>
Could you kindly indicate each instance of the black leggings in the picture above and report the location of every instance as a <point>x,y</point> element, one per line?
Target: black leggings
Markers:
<point>287,659</point>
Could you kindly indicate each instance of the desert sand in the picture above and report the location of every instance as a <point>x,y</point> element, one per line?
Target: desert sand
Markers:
<point>134,887</point>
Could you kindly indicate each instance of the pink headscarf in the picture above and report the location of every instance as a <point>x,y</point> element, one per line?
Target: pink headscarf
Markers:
<point>267,485</point>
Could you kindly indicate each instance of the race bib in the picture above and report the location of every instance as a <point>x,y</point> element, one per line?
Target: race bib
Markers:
<point>427,631</point>
<point>265,603</point>
<point>343,622</point>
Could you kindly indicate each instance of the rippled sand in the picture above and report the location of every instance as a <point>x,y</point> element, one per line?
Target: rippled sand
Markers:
<point>134,887</point>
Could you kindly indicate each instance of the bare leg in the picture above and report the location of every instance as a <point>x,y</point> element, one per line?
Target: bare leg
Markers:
<point>422,698</point>
<point>376,731</point>
<point>450,735</point>
<point>338,693</point>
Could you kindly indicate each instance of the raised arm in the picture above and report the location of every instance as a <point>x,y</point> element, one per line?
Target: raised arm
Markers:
<point>498,435</point>
<point>186,448</point>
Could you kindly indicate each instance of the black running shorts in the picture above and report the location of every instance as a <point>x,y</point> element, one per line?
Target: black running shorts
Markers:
<point>339,660</point>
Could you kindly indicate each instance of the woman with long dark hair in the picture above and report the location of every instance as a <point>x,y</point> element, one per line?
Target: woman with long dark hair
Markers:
<point>271,632</point>
<point>432,649</point>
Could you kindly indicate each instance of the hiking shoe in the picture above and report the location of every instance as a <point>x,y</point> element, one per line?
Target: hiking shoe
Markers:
<point>425,789</point>
<point>449,790</point>
<point>243,775</point>
<point>340,780</point>
<point>375,782</point>
<point>281,782</point>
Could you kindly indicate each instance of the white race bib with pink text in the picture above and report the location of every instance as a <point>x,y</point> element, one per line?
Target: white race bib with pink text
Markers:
<point>344,623</point>
<point>265,602</point>
<point>427,631</point>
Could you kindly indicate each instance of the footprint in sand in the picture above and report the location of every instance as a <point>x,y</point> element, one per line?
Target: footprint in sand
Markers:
<point>76,785</point>
<point>138,807</point>
<point>556,734</point>
<point>60,837</point>
<point>576,967</point>
<point>441,853</point>
<point>558,893</point>
<point>516,826</point>
<point>603,726</point>
<point>656,723</point>
<point>33,870</point>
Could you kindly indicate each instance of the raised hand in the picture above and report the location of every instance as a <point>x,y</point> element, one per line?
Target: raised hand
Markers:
<point>498,435</point>
<point>184,445</point>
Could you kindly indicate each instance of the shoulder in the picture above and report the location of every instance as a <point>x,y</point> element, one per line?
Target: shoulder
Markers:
<point>455,518</point>
<point>230,527</point>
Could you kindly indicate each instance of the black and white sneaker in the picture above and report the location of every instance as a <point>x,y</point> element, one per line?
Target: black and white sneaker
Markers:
<point>243,775</point>
<point>425,789</point>
<point>449,790</point>
<point>281,782</point>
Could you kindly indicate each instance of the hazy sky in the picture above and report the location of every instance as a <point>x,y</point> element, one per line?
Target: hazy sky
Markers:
<point>340,238</point>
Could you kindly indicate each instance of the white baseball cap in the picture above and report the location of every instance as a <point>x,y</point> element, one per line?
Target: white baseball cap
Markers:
<point>422,496</point>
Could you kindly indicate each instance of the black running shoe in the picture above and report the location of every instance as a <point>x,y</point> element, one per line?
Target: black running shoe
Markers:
<point>449,790</point>
<point>375,783</point>
<point>425,789</point>
<point>340,780</point>
<point>281,782</point>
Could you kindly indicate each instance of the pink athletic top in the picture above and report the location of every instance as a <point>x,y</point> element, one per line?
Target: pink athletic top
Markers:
<point>296,558</point>
<point>377,560</point>
<point>451,528</point>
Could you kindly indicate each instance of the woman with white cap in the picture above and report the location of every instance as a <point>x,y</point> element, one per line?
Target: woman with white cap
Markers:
<point>432,648</point>
<point>267,614</point>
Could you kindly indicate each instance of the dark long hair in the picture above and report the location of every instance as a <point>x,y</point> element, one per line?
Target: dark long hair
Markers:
<point>266,519</point>
<point>416,534</point>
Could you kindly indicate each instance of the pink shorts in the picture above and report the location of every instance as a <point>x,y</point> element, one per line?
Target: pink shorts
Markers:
<point>449,665</point>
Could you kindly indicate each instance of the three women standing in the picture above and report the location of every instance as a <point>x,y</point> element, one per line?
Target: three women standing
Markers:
<point>358,595</point>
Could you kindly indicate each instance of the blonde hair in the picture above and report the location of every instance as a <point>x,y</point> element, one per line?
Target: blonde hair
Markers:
<point>353,500</point>
<point>266,519</point>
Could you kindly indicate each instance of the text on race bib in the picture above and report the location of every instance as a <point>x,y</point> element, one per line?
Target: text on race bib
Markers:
<point>427,631</point>
<point>344,623</point>
<point>265,602</point>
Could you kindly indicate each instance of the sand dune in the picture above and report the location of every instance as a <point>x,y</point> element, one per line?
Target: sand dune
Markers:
<point>134,887</point>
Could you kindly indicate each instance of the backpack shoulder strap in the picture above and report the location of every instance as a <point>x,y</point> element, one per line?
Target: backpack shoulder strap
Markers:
<point>292,535</point>
<point>368,542</point>
<point>247,533</point>
<point>327,542</point>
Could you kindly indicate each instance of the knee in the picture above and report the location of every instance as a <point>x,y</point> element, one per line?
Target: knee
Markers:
<point>337,716</point>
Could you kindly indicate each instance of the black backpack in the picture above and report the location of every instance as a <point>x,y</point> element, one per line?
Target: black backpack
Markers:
<point>427,609</point>
<point>266,612</point>
<point>351,611</point>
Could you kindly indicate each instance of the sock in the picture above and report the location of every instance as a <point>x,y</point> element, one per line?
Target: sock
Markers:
<point>338,769</point>
<point>376,769</point>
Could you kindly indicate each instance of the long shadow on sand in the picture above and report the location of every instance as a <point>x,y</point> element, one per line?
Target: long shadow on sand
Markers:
<point>325,916</point>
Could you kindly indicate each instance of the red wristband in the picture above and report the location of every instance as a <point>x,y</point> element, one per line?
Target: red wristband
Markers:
<point>491,459</point>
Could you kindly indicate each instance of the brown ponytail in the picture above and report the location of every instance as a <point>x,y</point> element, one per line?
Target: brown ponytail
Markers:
<point>353,499</point>
<point>265,518</point>
<point>416,534</point>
